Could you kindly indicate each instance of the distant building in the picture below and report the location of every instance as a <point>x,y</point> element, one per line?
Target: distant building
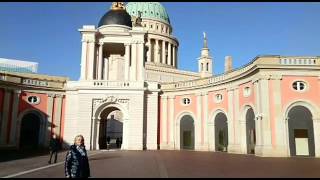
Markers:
<point>12,65</point>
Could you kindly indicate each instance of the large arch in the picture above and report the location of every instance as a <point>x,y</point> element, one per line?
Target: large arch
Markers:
<point>177,142</point>
<point>211,127</point>
<point>102,110</point>
<point>40,134</point>
<point>250,131</point>
<point>221,132</point>
<point>301,120</point>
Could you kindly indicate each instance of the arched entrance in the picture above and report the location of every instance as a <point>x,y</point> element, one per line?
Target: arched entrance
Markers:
<point>221,132</point>
<point>111,128</point>
<point>250,131</point>
<point>301,132</point>
<point>187,132</point>
<point>29,131</point>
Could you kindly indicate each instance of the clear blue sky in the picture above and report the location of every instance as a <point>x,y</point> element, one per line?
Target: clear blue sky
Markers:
<point>47,33</point>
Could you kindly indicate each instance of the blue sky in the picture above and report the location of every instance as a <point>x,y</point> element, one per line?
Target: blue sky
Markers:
<point>47,33</point>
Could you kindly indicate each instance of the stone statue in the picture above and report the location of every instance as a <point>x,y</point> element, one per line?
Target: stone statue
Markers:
<point>205,43</point>
<point>117,6</point>
<point>138,20</point>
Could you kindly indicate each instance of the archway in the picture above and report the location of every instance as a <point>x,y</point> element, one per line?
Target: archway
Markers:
<point>250,131</point>
<point>187,132</point>
<point>111,128</point>
<point>29,131</point>
<point>301,132</point>
<point>221,132</point>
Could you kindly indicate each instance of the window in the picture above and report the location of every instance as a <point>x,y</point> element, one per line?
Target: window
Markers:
<point>299,85</point>
<point>218,98</point>
<point>186,101</point>
<point>246,91</point>
<point>33,100</point>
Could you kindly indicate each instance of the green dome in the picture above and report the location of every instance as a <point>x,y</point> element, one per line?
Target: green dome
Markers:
<point>149,10</point>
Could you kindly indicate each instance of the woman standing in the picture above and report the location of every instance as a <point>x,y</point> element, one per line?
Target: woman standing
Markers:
<point>77,163</point>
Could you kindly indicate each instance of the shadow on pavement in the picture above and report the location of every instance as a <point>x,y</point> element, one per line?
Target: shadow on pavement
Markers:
<point>9,155</point>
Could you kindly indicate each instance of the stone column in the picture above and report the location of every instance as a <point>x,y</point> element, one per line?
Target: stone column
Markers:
<point>231,133</point>
<point>127,62</point>
<point>198,123</point>
<point>5,115</point>
<point>211,136</point>
<point>171,122</point>
<point>174,56</point>
<point>316,132</point>
<point>125,144</point>
<point>100,61</point>
<point>236,119</point>
<point>106,69</point>
<point>157,52</point>
<point>149,50</point>
<point>57,115</point>
<point>164,118</point>
<point>257,119</point>
<point>91,56</point>
<point>266,123</point>
<point>97,137</point>
<point>14,117</point>
<point>243,136</point>
<point>133,67</point>
<point>163,52</point>
<point>205,120</point>
<point>49,120</point>
<point>169,54</point>
<point>140,61</point>
<point>83,60</point>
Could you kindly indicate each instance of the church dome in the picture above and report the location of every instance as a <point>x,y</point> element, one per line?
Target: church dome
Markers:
<point>149,10</point>
<point>116,17</point>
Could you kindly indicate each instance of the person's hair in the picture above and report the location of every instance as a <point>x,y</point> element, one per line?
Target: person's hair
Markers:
<point>75,139</point>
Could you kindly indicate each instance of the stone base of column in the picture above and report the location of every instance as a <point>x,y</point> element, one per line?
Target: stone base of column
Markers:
<point>152,146</point>
<point>166,146</point>
<point>202,147</point>
<point>269,151</point>
<point>234,148</point>
<point>135,147</point>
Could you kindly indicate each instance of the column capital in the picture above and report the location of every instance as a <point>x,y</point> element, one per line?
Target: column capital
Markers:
<point>276,77</point>
<point>101,44</point>
<point>17,91</point>
<point>51,95</point>
<point>59,95</point>
<point>127,44</point>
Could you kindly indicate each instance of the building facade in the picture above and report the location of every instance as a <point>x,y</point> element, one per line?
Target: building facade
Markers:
<point>130,88</point>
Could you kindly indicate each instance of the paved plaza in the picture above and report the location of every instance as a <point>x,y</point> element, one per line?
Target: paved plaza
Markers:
<point>162,164</point>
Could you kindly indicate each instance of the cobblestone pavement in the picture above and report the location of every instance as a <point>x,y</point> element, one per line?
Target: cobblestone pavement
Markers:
<point>154,164</point>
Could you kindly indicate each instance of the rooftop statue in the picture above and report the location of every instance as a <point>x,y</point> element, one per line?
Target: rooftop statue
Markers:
<point>118,6</point>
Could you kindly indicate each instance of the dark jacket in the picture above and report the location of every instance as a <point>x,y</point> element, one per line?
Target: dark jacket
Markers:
<point>76,165</point>
<point>54,145</point>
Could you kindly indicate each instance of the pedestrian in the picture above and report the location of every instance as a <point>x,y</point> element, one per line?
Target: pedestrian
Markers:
<point>77,163</point>
<point>108,142</point>
<point>54,146</point>
<point>118,143</point>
